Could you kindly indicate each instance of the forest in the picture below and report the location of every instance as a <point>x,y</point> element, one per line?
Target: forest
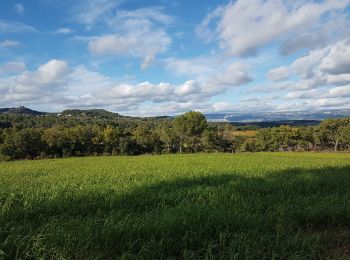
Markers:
<point>39,137</point>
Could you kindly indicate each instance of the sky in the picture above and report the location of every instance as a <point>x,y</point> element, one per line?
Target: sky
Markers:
<point>166,57</point>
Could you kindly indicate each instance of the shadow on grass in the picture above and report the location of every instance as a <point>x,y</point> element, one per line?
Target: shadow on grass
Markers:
<point>296,213</point>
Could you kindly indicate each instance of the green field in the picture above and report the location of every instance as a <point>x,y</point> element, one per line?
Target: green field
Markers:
<point>256,206</point>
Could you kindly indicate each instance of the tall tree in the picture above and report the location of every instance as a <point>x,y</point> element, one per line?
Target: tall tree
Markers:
<point>330,131</point>
<point>189,127</point>
<point>167,135</point>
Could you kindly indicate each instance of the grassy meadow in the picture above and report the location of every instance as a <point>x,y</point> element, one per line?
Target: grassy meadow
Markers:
<point>214,206</point>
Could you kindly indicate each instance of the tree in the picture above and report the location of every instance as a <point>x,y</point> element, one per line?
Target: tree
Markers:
<point>21,144</point>
<point>167,135</point>
<point>189,127</point>
<point>146,138</point>
<point>330,132</point>
<point>308,140</point>
<point>111,140</point>
<point>264,137</point>
<point>344,135</point>
<point>57,140</point>
<point>238,142</point>
<point>285,137</point>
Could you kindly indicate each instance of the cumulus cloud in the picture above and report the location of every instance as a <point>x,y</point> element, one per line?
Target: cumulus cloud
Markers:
<point>144,43</point>
<point>80,87</point>
<point>246,25</point>
<point>223,107</point>
<point>306,65</point>
<point>321,76</point>
<point>334,92</point>
<point>13,67</point>
<point>35,86</point>
<point>338,59</point>
<point>57,84</point>
<point>235,75</point>
<point>50,73</point>
<point>325,67</point>
<point>338,80</point>
<point>279,74</point>
<point>217,73</point>
<point>318,79</point>
<point>138,33</point>
<point>343,91</point>
<point>327,31</point>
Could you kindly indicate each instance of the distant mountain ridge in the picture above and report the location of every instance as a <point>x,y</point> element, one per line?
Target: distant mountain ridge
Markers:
<point>277,116</point>
<point>238,117</point>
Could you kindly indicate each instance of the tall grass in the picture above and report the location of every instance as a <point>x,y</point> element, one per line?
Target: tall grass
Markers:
<point>256,206</point>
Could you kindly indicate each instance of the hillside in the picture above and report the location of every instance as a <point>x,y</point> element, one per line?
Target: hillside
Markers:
<point>25,117</point>
<point>21,111</point>
<point>260,119</point>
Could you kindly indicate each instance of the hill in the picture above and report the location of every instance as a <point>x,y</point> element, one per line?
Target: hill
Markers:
<point>25,117</point>
<point>90,112</point>
<point>18,117</point>
<point>21,111</point>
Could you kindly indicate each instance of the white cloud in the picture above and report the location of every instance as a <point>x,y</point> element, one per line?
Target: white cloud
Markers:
<point>192,67</point>
<point>13,67</point>
<point>223,107</point>
<point>338,59</point>
<point>14,27</point>
<point>188,88</point>
<point>306,65</point>
<point>216,72</point>
<point>335,92</point>
<point>324,33</point>
<point>325,67</point>
<point>9,43</point>
<point>153,14</point>
<point>246,25</point>
<point>343,91</point>
<point>138,33</point>
<point>204,30</point>
<point>56,84</point>
<point>41,86</point>
<point>330,65</point>
<point>329,103</point>
<point>89,12</point>
<point>19,8</point>
<point>235,75</point>
<point>279,74</point>
<point>318,79</point>
<point>339,79</point>
<point>304,94</point>
<point>49,75</point>
<point>145,44</point>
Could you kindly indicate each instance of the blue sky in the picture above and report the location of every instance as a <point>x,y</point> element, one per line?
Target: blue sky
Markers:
<point>167,57</point>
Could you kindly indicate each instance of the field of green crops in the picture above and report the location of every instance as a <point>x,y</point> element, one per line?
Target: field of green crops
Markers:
<point>255,206</point>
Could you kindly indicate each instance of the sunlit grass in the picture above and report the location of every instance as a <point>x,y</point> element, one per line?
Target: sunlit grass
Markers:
<point>264,205</point>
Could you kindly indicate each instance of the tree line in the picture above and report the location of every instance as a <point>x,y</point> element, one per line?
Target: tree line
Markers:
<point>187,133</point>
